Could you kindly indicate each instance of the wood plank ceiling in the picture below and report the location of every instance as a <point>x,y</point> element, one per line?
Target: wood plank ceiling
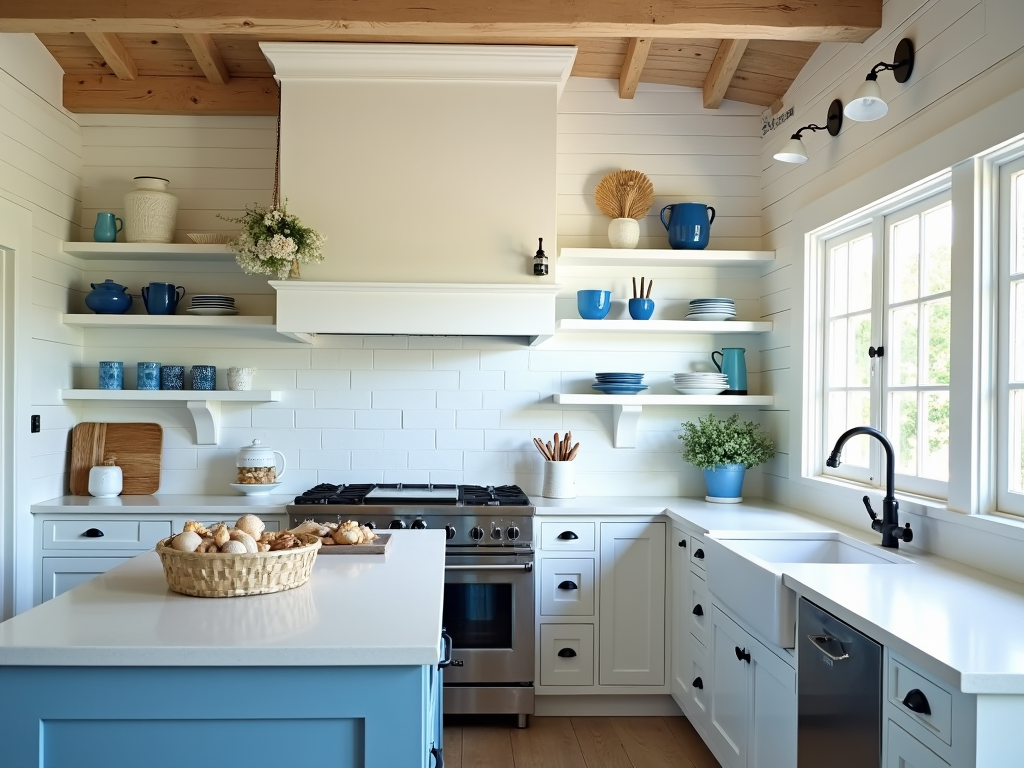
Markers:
<point>203,56</point>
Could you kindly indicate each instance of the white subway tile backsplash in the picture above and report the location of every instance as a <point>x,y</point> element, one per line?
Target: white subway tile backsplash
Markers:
<point>535,419</point>
<point>482,380</point>
<point>234,415</point>
<point>460,439</point>
<point>535,381</point>
<point>179,458</point>
<point>458,399</point>
<point>355,439</point>
<point>510,400</point>
<point>507,439</point>
<point>420,439</point>
<point>504,360</point>
<point>406,476</point>
<point>456,360</point>
<point>404,399</point>
<point>325,419</point>
<point>273,418</point>
<point>346,476</point>
<point>292,399</point>
<point>435,342</point>
<point>484,465</point>
<point>323,379</point>
<point>440,476</point>
<point>342,398</point>
<point>378,419</point>
<point>348,359</point>
<point>376,380</point>
<point>385,342</point>
<point>450,460</point>
<point>478,419</point>
<point>380,460</point>
<point>403,359</point>
<point>324,459</point>
<point>434,419</point>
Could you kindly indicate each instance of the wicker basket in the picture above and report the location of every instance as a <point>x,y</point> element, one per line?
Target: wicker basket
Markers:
<point>225,575</point>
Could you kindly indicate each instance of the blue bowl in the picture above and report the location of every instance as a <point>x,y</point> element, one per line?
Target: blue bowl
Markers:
<point>641,309</point>
<point>593,305</point>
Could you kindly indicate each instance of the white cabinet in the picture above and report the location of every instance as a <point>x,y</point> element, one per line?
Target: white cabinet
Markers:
<point>59,574</point>
<point>567,587</point>
<point>904,751</point>
<point>632,607</point>
<point>753,700</point>
<point>567,654</point>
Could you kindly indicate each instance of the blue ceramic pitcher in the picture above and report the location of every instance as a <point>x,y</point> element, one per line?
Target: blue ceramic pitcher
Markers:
<point>733,365</point>
<point>107,227</point>
<point>688,225</point>
<point>162,298</point>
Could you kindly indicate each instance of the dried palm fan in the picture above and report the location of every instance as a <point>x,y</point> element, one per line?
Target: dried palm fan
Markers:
<point>624,195</point>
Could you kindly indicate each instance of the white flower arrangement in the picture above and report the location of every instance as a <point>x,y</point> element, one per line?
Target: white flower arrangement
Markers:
<point>274,242</point>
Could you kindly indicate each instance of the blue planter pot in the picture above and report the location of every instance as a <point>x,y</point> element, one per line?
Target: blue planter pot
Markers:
<point>725,483</point>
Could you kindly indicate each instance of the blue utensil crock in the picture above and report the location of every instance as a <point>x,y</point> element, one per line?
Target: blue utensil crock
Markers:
<point>689,225</point>
<point>204,377</point>
<point>162,298</point>
<point>108,298</point>
<point>106,228</point>
<point>172,377</point>
<point>641,309</point>
<point>111,375</point>
<point>149,376</point>
<point>733,365</point>
<point>593,305</point>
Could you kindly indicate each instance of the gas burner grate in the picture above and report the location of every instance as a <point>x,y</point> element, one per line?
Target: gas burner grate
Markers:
<point>494,496</point>
<point>325,493</point>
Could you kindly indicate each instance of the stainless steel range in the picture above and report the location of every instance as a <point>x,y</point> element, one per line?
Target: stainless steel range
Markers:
<point>489,578</point>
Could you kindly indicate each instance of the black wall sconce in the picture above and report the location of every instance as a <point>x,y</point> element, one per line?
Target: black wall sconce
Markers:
<point>793,151</point>
<point>868,103</point>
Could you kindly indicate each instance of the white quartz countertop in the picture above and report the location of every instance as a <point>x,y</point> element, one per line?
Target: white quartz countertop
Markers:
<point>171,504</point>
<point>355,610</point>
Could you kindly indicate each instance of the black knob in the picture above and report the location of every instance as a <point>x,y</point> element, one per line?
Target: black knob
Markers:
<point>396,524</point>
<point>698,683</point>
<point>682,543</point>
<point>371,525</point>
<point>916,701</point>
<point>449,531</point>
<point>568,585</point>
<point>567,536</point>
<point>93,533</point>
<point>874,352</point>
<point>476,533</point>
<point>512,533</point>
<point>699,554</point>
<point>567,653</point>
<point>906,534</point>
<point>496,533</point>
<point>419,524</point>
<point>697,610</point>
<point>742,654</point>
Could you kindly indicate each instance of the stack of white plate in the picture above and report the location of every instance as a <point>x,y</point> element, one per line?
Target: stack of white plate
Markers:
<point>712,309</point>
<point>700,383</point>
<point>212,304</point>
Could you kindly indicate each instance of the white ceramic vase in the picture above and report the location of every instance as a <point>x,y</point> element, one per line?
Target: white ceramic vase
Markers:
<point>240,379</point>
<point>149,211</point>
<point>624,233</point>
<point>559,480</point>
<point>105,481</point>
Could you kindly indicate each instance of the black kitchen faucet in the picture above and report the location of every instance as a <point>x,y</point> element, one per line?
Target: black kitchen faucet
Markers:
<point>889,525</point>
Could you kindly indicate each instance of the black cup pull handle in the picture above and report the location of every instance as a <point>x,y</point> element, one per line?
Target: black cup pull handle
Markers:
<point>698,683</point>
<point>699,554</point>
<point>567,536</point>
<point>446,643</point>
<point>93,533</point>
<point>916,701</point>
<point>742,654</point>
<point>567,653</point>
<point>682,543</point>
<point>568,585</point>
<point>438,756</point>
<point>698,610</point>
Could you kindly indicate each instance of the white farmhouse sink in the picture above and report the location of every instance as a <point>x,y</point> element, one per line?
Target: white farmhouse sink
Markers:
<point>746,574</point>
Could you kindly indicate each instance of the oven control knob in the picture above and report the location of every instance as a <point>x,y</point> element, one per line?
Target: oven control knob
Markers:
<point>370,524</point>
<point>512,533</point>
<point>496,532</point>
<point>449,531</point>
<point>476,533</point>
<point>398,524</point>
<point>419,524</point>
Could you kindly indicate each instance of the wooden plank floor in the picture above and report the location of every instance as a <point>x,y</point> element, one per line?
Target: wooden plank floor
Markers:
<point>574,742</point>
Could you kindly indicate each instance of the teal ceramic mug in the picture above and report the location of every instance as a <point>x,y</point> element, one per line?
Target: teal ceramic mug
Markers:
<point>107,227</point>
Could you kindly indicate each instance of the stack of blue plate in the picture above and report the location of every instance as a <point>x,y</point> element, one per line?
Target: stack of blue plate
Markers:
<point>619,383</point>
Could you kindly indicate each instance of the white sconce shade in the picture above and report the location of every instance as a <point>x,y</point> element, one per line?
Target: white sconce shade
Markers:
<point>867,103</point>
<point>792,152</point>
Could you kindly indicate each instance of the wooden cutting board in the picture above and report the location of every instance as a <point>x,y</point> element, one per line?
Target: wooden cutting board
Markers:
<point>379,546</point>
<point>135,448</point>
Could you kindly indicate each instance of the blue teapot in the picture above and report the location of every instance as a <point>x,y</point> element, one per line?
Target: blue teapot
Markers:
<point>108,298</point>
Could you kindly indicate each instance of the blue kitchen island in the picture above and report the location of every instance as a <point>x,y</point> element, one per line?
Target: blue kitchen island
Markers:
<point>120,672</point>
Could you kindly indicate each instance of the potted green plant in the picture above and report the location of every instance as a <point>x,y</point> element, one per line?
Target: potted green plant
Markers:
<point>724,449</point>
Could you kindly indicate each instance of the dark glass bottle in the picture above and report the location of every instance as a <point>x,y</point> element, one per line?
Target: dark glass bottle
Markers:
<point>540,259</point>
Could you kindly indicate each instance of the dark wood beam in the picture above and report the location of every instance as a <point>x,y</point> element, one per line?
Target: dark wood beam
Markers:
<point>726,62</point>
<point>633,65</point>
<point>170,95</point>
<point>824,20</point>
<point>210,61</point>
<point>114,54</point>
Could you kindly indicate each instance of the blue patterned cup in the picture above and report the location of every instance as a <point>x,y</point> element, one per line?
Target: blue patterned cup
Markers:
<point>149,376</point>
<point>204,377</point>
<point>111,375</point>
<point>172,377</point>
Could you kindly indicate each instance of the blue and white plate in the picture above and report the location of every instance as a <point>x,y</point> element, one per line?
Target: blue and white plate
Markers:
<point>619,389</point>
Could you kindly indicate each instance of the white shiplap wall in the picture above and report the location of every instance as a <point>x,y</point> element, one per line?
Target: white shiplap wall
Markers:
<point>40,170</point>
<point>968,58</point>
<point>452,408</point>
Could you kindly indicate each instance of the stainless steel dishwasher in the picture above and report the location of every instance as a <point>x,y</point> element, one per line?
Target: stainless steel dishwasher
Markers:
<point>839,690</point>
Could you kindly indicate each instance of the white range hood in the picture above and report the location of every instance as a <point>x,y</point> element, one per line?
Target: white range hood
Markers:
<point>431,171</point>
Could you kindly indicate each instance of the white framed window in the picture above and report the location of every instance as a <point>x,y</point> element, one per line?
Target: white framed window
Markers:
<point>1010,336</point>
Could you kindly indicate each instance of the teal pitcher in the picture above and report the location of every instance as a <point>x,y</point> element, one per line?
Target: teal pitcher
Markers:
<point>733,365</point>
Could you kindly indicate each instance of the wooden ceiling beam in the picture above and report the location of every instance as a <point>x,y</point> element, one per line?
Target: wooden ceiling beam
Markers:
<point>114,54</point>
<point>726,62</point>
<point>210,61</point>
<point>633,65</point>
<point>848,21</point>
<point>170,95</point>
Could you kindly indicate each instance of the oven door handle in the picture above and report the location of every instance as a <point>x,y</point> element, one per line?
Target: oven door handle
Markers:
<point>525,567</point>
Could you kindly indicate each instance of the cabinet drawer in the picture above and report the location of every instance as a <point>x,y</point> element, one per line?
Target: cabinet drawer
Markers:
<point>567,587</point>
<point>699,703</point>
<point>904,751</point>
<point>697,551</point>
<point>908,691</point>
<point>566,654</point>
<point>572,535</point>
<point>104,534</point>
<point>59,574</point>
<point>699,618</point>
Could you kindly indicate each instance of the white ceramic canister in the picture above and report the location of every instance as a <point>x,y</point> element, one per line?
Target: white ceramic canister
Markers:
<point>149,211</point>
<point>240,379</point>
<point>623,233</point>
<point>559,480</point>
<point>106,481</point>
<point>257,464</point>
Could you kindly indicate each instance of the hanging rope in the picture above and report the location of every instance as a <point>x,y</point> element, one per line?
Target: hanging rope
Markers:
<point>276,201</point>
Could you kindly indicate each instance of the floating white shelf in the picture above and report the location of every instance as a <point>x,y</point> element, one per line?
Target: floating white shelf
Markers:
<point>618,257</point>
<point>149,251</point>
<point>626,409</point>
<point>203,405</point>
<point>257,323</point>
<point>658,327</point>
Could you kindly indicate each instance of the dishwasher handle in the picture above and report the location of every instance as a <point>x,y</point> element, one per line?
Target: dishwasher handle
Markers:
<point>527,567</point>
<point>820,641</point>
